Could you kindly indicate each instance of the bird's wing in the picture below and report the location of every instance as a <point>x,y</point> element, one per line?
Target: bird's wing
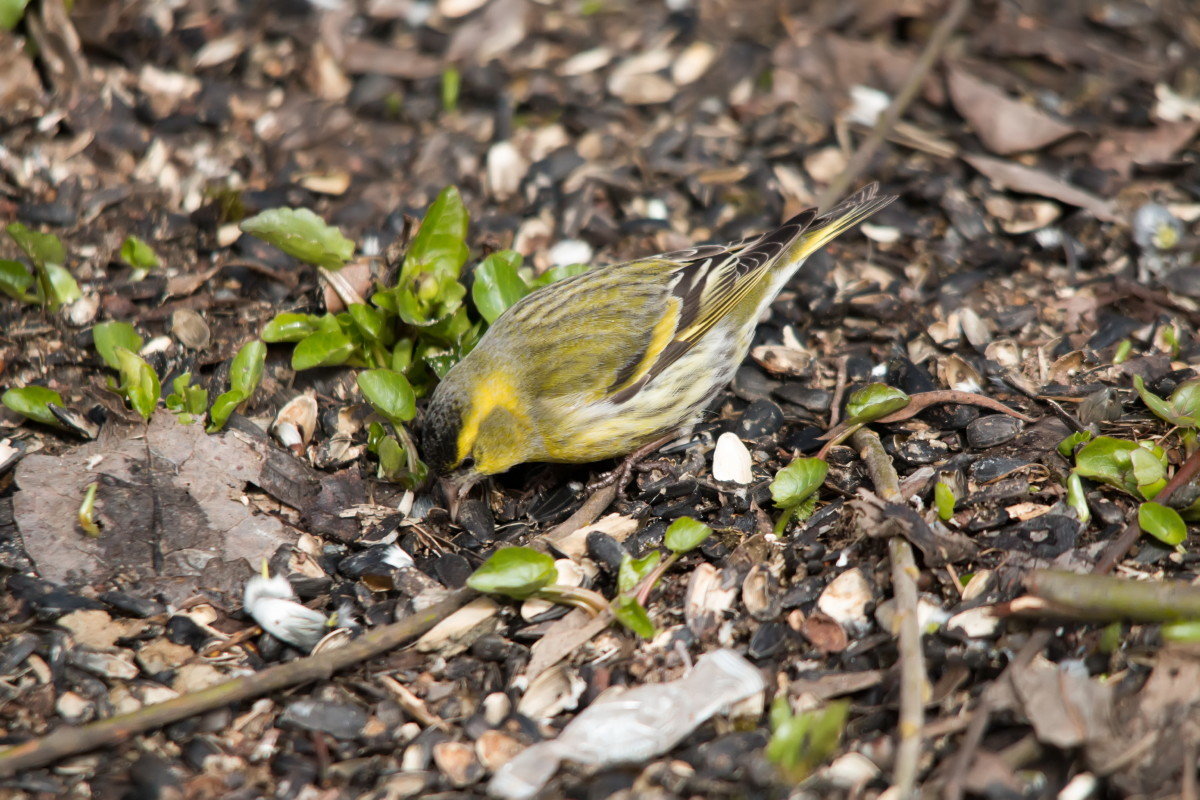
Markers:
<point>604,334</point>
<point>712,281</point>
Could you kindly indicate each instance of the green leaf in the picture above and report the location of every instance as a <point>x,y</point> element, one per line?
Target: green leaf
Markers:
<point>368,320</point>
<point>322,349</point>
<point>139,255</point>
<point>872,402</point>
<point>33,402</point>
<point>498,284</point>
<point>451,80</point>
<point>245,372</point>
<point>555,274</point>
<point>515,572</point>
<point>802,742</point>
<point>1187,631</point>
<point>246,369</point>
<point>439,359</point>
<point>402,355</point>
<point>1107,460</point>
<point>457,329</point>
<point>1162,522</point>
<point>799,479</point>
<point>685,534</point>
<point>440,246</point>
<point>391,457</point>
<point>139,383</point>
<point>62,286</point>
<point>428,298</point>
<point>1110,638</point>
<point>87,511</point>
<point>630,613</point>
<point>303,235</point>
<point>186,401</point>
<point>1124,348</point>
<point>1077,498</point>
<point>289,327</point>
<point>11,13</point>
<point>15,278</point>
<point>108,336</point>
<point>634,570</point>
<point>225,404</point>
<point>943,498</point>
<point>1066,448</point>
<point>42,248</point>
<point>1163,409</point>
<point>1186,399</point>
<point>389,393</point>
<point>1146,468</point>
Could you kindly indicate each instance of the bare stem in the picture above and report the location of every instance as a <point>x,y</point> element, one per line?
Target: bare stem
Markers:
<point>904,587</point>
<point>68,741</point>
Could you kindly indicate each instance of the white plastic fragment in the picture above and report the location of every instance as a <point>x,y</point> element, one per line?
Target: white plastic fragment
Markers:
<point>635,725</point>
<point>272,604</point>
<point>731,460</point>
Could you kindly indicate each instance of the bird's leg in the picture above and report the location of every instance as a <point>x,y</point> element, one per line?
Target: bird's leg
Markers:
<point>620,475</point>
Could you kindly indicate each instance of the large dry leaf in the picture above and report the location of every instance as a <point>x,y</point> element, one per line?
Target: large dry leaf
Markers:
<point>1121,149</point>
<point>1004,125</point>
<point>1160,724</point>
<point>1066,708</point>
<point>1019,178</point>
<point>170,502</point>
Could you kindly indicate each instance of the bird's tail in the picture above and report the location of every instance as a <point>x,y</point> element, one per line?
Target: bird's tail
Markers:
<point>839,219</point>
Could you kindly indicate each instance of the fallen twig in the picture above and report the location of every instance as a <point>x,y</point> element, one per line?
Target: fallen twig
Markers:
<point>69,741</point>
<point>904,587</point>
<point>923,400</point>
<point>839,391</point>
<point>920,402</point>
<point>1104,598</point>
<point>888,119</point>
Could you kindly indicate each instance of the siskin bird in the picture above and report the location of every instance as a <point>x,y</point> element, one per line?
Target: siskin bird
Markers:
<point>600,364</point>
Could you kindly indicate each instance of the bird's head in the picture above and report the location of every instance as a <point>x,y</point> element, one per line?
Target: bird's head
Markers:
<point>475,427</point>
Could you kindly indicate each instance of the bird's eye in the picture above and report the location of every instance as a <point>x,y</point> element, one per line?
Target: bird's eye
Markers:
<point>467,463</point>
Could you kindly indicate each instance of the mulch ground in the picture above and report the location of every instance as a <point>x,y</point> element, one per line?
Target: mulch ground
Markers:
<point>1042,252</point>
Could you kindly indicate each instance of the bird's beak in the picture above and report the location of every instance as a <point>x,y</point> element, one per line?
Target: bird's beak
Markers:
<point>455,489</point>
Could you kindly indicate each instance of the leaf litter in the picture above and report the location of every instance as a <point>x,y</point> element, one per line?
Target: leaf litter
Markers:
<point>1042,255</point>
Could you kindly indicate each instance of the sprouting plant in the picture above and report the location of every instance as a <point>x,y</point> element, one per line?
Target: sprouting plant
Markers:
<point>407,334</point>
<point>795,489</point>
<point>802,742</point>
<point>49,284</point>
<point>522,573</point>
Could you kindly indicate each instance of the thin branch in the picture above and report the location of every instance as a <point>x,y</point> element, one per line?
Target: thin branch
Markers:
<point>912,667</point>
<point>839,391</point>
<point>887,120</point>
<point>879,464</point>
<point>69,741</point>
<point>904,587</point>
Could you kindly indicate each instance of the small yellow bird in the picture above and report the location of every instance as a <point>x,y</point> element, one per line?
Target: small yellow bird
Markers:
<point>597,365</point>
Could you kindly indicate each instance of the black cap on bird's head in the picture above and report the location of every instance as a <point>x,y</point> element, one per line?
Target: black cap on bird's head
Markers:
<point>439,430</point>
